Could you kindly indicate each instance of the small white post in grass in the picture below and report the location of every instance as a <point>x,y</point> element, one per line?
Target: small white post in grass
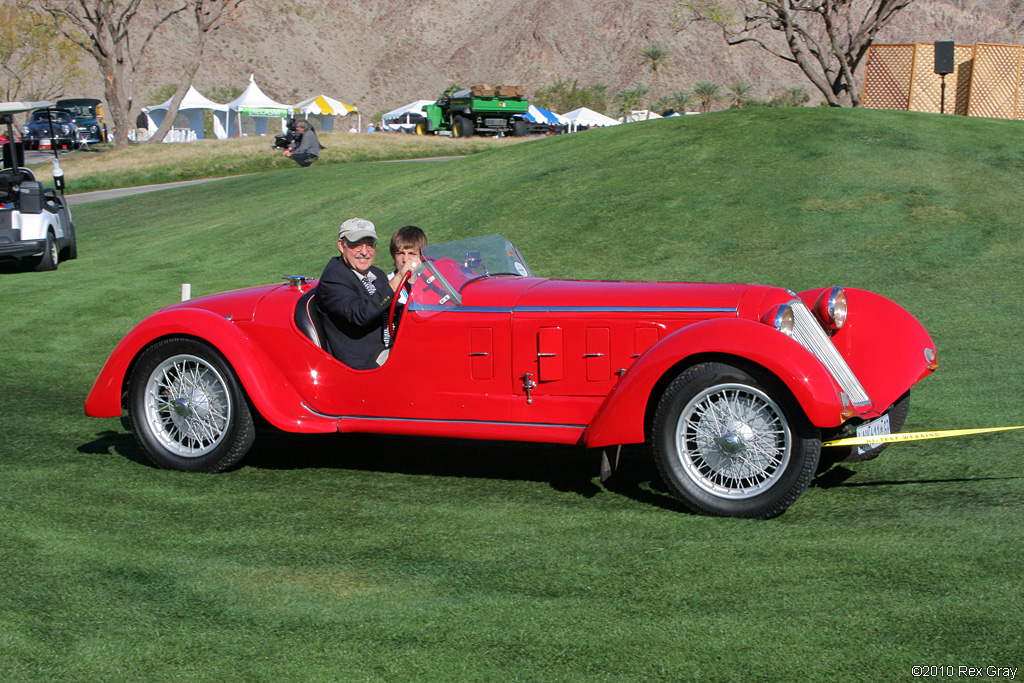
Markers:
<point>186,291</point>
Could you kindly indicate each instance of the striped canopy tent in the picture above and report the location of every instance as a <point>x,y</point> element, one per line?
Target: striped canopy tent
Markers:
<point>324,108</point>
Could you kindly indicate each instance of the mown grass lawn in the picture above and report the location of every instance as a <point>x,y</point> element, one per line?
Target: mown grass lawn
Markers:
<point>366,558</point>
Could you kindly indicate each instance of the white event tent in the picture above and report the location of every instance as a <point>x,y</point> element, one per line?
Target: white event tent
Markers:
<point>191,107</point>
<point>400,118</point>
<point>588,117</point>
<point>256,105</point>
<point>324,108</point>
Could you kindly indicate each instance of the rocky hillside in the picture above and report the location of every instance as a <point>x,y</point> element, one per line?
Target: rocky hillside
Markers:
<point>380,54</point>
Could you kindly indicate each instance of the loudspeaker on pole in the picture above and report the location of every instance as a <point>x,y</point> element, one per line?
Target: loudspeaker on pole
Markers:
<point>944,56</point>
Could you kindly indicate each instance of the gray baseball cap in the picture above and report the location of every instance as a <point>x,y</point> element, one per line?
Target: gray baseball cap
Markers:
<point>355,229</point>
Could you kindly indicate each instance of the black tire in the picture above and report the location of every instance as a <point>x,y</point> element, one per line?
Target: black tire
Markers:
<point>423,129</point>
<point>733,442</point>
<point>462,127</point>
<point>520,129</point>
<point>51,257</point>
<point>898,412</point>
<point>73,245</point>
<point>187,408</point>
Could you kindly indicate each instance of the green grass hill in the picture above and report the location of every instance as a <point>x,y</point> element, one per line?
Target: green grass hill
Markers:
<point>348,558</point>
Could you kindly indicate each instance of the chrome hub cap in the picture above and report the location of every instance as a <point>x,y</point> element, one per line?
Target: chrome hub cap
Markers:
<point>187,405</point>
<point>733,441</point>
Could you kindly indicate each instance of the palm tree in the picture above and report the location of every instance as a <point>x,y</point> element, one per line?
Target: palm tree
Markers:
<point>707,93</point>
<point>681,99</point>
<point>739,90</point>
<point>797,97</point>
<point>654,56</point>
<point>664,103</point>
<point>631,99</point>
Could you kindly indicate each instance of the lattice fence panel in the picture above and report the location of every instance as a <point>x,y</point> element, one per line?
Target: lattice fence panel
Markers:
<point>926,85</point>
<point>887,77</point>
<point>995,81</point>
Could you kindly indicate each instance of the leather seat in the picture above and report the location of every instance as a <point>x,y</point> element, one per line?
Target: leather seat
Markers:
<point>308,320</point>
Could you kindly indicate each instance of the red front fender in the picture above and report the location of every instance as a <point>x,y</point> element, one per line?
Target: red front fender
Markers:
<point>271,394</point>
<point>620,419</point>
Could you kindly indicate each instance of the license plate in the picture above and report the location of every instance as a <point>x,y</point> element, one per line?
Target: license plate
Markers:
<point>877,427</point>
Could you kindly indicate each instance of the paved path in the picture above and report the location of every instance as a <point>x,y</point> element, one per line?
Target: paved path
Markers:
<point>83,197</point>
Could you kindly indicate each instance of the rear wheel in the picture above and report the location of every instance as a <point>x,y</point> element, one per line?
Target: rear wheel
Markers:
<point>187,408</point>
<point>51,257</point>
<point>462,127</point>
<point>519,128</point>
<point>732,442</point>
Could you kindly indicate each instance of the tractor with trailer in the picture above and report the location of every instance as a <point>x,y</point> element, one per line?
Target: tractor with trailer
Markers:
<point>479,110</point>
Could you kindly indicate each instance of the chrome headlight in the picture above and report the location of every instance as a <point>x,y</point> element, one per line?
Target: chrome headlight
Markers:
<point>831,308</point>
<point>25,130</point>
<point>781,318</point>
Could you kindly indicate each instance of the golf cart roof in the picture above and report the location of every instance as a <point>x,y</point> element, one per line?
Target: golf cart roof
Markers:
<point>18,107</point>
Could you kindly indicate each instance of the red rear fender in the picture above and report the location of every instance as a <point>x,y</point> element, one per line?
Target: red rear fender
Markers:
<point>271,394</point>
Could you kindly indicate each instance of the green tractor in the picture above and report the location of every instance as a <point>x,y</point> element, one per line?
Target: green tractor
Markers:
<point>480,110</point>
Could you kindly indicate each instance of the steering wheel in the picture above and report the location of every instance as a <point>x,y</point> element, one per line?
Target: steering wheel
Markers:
<point>394,304</point>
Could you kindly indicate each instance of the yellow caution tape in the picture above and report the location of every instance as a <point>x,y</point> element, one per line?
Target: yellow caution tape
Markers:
<point>912,436</point>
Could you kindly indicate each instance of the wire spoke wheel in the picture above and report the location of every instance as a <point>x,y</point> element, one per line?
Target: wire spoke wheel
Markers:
<point>187,405</point>
<point>733,441</point>
<point>187,408</point>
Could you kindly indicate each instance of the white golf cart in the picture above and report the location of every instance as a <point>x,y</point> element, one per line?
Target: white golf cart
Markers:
<point>35,222</point>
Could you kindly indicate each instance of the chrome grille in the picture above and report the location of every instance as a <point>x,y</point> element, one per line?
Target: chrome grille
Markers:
<point>807,330</point>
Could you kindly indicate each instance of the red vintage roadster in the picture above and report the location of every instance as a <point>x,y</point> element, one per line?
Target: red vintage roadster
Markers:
<point>735,386</point>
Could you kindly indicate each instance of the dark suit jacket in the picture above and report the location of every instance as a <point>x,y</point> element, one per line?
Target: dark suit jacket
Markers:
<point>353,318</point>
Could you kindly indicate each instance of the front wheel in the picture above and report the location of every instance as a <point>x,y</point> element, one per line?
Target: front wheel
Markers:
<point>421,128</point>
<point>732,442</point>
<point>187,408</point>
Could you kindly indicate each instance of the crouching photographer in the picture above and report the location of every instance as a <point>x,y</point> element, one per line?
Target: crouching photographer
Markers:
<point>304,147</point>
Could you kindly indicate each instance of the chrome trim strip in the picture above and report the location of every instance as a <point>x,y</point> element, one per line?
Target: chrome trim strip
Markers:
<point>375,418</point>
<point>624,309</point>
<point>414,306</point>
<point>807,330</point>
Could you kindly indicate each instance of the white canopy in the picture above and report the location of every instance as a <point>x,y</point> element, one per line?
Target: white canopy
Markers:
<point>323,107</point>
<point>401,114</point>
<point>255,104</point>
<point>639,115</point>
<point>192,106</point>
<point>588,117</point>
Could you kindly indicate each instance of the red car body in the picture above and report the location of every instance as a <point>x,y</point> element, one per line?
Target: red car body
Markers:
<point>599,356</point>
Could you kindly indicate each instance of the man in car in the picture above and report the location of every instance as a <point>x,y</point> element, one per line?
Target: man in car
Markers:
<point>354,297</point>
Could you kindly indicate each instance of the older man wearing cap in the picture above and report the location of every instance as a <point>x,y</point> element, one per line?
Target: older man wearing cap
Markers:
<point>354,297</point>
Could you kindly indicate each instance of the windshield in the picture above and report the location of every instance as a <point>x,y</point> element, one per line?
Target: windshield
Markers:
<point>477,257</point>
<point>80,110</point>
<point>55,116</point>
<point>449,266</point>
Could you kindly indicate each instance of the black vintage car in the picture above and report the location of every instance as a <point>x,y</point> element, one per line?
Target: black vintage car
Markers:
<point>88,113</point>
<point>50,128</point>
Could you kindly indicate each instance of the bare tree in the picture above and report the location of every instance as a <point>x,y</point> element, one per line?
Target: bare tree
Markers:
<point>1015,18</point>
<point>209,16</point>
<point>827,39</point>
<point>36,61</point>
<point>115,33</point>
